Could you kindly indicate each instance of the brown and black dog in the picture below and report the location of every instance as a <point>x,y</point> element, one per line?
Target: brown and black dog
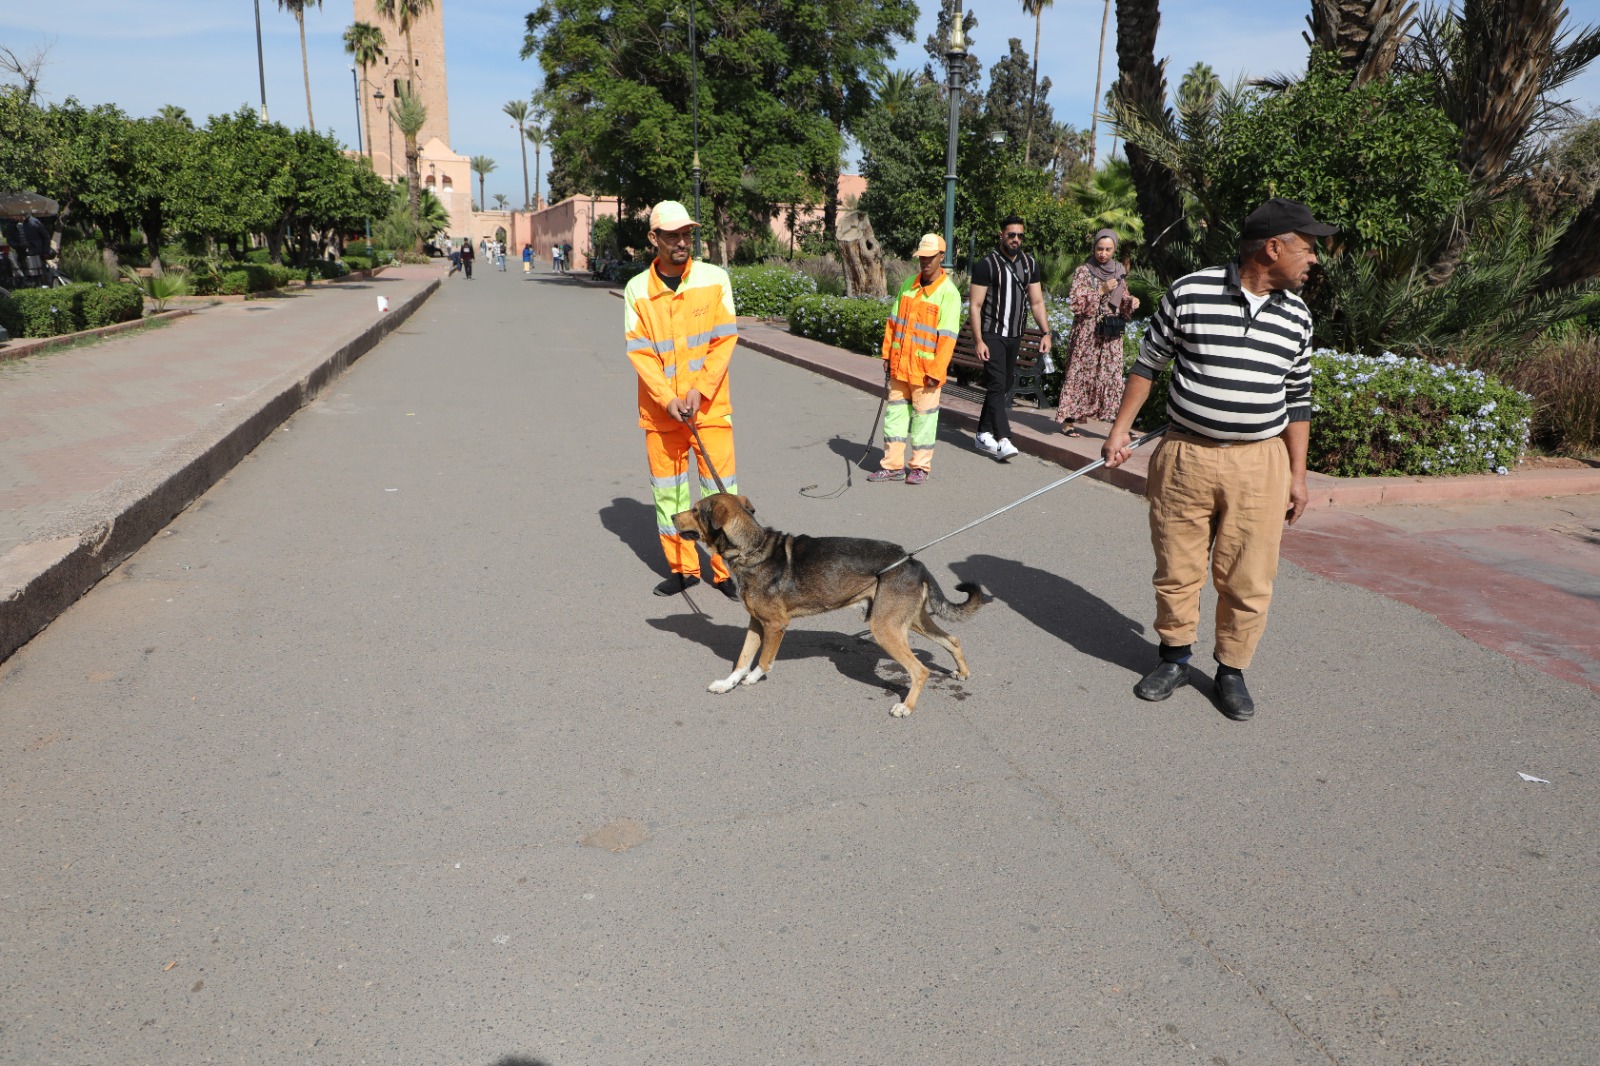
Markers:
<point>782,577</point>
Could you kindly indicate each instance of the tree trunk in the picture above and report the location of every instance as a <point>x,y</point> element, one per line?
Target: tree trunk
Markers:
<point>153,225</point>
<point>1142,85</point>
<point>414,187</point>
<point>1094,107</point>
<point>538,157</point>
<point>365,84</point>
<point>522,138</point>
<point>305,67</point>
<point>861,256</point>
<point>1038,17</point>
<point>1365,34</point>
<point>830,205</point>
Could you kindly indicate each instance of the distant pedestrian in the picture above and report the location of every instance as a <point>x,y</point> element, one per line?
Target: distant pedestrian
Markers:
<point>566,257</point>
<point>1101,306</point>
<point>527,258</point>
<point>1005,286</point>
<point>918,340</point>
<point>555,259</point>
<point>1232,470</point>
<point>500,256</point>
<point>466,258</point>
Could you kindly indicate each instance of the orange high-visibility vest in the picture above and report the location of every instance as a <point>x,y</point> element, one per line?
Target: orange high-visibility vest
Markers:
<point>681,340</point>
<point>920,336</point>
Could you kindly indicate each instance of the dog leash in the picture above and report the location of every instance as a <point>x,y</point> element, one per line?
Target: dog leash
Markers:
<point>849,467</point>
<point>704,458</point>
<point>1096,465</point>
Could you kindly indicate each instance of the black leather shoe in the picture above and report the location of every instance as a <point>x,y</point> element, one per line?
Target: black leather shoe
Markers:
<point>727,588</point>
<point>1161,682</point>
<point>1234,697</point>
<point>676,583</point>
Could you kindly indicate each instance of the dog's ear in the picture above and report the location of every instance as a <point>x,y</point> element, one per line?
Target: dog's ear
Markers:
<point>744,501</point>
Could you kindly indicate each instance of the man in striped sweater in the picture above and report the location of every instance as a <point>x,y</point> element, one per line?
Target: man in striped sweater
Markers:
<point>1232,469</point>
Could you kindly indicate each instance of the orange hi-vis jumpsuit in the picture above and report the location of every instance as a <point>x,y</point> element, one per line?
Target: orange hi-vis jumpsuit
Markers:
<point>918,340</point>
<point>677,341</point>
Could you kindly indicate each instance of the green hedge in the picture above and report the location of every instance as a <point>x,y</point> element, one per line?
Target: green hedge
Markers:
<point>767,291</point>
<point>327,269</point>
<point>855,324</point>
<point>69,309</point>
<point>238,278</point>
<point>358,262</point>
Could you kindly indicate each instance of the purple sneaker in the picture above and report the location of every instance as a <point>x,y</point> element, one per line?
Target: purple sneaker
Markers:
<point>916,477</point>
<point>886,475</point>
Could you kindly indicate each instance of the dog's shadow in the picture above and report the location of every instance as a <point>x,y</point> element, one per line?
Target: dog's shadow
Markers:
<point>855,655</point>
<point>1064,610</point>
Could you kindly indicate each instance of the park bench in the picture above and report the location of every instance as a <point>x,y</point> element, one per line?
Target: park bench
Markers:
<point>1030,375</point>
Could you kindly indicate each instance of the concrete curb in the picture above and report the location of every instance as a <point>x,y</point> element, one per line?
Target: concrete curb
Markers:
<point>1034,434</point>
<point>41,579</point>
<point>22,347</point>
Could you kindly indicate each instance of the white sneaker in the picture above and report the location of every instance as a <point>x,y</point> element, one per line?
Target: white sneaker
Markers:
<point>1005,449</point>
<point>986,444</point>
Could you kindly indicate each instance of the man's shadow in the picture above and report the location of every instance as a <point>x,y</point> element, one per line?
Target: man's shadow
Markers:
<point>1063,609</point>
<point>634,524</point>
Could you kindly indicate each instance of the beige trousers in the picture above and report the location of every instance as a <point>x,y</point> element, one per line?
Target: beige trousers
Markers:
<point>1223,504</point>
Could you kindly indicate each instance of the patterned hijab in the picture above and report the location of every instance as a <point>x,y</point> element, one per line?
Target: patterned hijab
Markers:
<point>1110,270</point>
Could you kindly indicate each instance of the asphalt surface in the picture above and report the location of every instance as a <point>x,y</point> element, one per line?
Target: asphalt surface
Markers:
<point>383,752</point>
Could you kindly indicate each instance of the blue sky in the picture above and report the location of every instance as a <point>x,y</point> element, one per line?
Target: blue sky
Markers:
<point>201,55</point>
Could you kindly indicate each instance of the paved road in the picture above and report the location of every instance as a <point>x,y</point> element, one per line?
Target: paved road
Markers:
<point>385,753</point>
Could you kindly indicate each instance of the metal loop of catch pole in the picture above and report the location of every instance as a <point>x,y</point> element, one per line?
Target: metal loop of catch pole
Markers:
<point>1097,464</point>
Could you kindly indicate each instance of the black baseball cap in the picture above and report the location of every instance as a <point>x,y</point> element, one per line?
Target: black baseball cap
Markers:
<point>1278,216</point>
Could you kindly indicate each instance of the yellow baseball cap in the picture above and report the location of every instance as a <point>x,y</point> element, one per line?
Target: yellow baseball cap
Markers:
<point>670,216</point>
<point>931,244</point>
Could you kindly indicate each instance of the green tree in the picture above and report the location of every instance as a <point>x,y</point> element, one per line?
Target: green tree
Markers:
<point>535,136</point>
<point>482,166</point>
<point>364,43</point>
<point>297,8</point>
<point>404,13</point>
<point>620,91</point>
<point>1108,201</point>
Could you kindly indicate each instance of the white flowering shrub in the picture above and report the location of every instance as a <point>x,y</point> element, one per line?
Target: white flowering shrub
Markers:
<point>855,324</point>
<point>767,291</point>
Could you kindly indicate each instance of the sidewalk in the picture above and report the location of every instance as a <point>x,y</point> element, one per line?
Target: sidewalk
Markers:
<point>1510,562</point>
<point>101,445</point>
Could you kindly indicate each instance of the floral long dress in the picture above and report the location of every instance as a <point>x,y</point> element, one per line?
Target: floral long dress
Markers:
<point>1093,384</point>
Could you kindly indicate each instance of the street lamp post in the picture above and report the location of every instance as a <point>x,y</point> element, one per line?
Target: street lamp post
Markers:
<point>694,111</point>
<point>378,96</point>
<point>955,54</point>
<point>261,65</point>
<point>355,83</point>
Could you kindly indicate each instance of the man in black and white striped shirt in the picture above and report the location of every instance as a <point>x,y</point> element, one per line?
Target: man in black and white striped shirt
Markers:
<point>1005,286</point>
<point>1233,467</point>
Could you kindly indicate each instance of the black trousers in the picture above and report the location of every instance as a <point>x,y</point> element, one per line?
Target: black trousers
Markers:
<point>999,378</point>
<point>466,264</point>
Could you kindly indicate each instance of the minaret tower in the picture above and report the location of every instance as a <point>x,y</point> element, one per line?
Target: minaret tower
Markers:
<point>427,80</point>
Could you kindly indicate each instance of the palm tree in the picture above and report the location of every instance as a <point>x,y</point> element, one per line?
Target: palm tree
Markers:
<point>1366,34</point>
<point>1108,201</point>
<point>500,201</point>
<point>518,110</point>
<point>403,13</point>
<point>482,165</point>
<point>409,115</point>
<point>364,42</point>
<point>893,88</point>
<point>175,115</point>
<point>1141,88</point>
<point>1099,66</point>
<point>297,8</point>
<point>1036,9</point>
<point>535,136</point>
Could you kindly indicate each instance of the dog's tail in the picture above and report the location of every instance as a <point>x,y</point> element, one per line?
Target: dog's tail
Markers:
<point>940,607</point>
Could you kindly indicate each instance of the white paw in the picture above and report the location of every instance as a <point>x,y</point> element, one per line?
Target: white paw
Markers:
<point>724,685</point>
<point>899,710</point>
<point>963,677</point>
<point>753,676</point>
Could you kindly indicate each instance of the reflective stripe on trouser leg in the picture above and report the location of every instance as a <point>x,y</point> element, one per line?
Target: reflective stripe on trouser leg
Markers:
<point>896,424</point>
<point>924,425</point>
<point>669,487</point>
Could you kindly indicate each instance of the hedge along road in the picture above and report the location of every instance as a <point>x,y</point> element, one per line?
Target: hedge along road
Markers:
<point>385,752</point>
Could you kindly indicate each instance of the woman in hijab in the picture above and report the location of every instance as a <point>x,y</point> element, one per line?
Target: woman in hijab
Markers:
<point>1093,384</point>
